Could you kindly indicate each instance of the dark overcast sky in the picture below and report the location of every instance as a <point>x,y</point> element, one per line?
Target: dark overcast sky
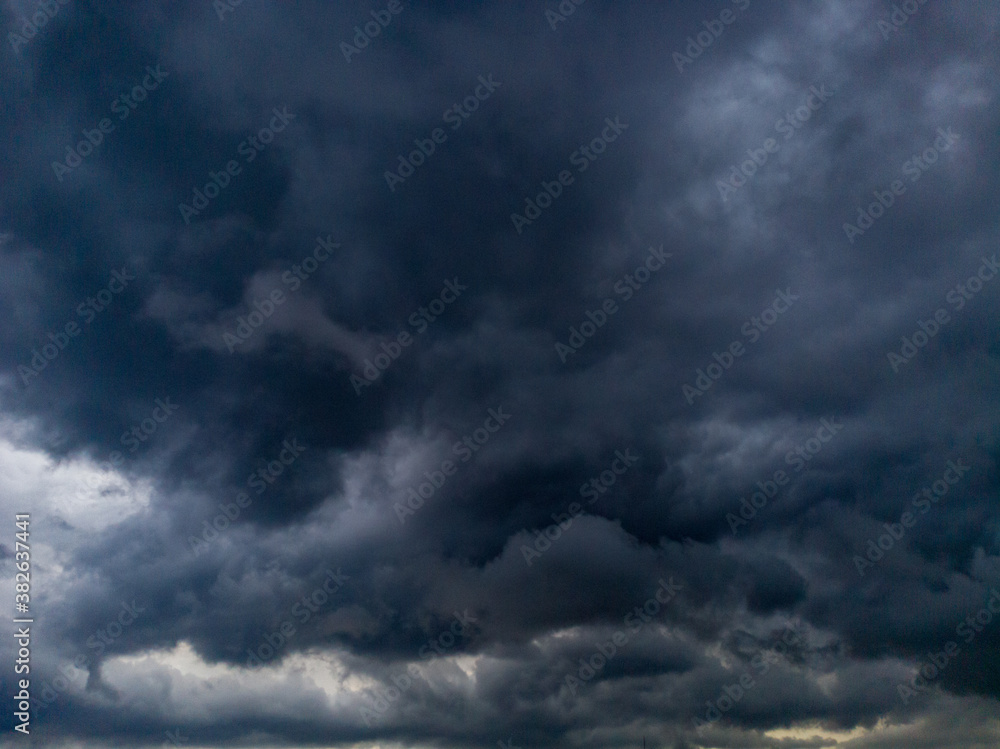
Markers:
<point>546,374</point>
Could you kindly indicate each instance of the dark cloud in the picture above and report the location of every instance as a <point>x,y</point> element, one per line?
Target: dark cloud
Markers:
<point>787,386</point>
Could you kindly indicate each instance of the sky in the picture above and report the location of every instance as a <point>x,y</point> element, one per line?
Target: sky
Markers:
<point>474,375</point>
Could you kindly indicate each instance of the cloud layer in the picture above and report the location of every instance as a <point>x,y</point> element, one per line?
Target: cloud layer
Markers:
<point>479,339</point>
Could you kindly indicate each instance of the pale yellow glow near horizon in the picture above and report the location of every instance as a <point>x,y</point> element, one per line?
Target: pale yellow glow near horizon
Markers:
<point>834,737</point>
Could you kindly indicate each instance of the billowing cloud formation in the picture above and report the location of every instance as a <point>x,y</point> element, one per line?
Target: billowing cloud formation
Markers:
<point>550,375</point>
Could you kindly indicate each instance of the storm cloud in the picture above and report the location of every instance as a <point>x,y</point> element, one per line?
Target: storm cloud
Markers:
<point>550,374</point>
